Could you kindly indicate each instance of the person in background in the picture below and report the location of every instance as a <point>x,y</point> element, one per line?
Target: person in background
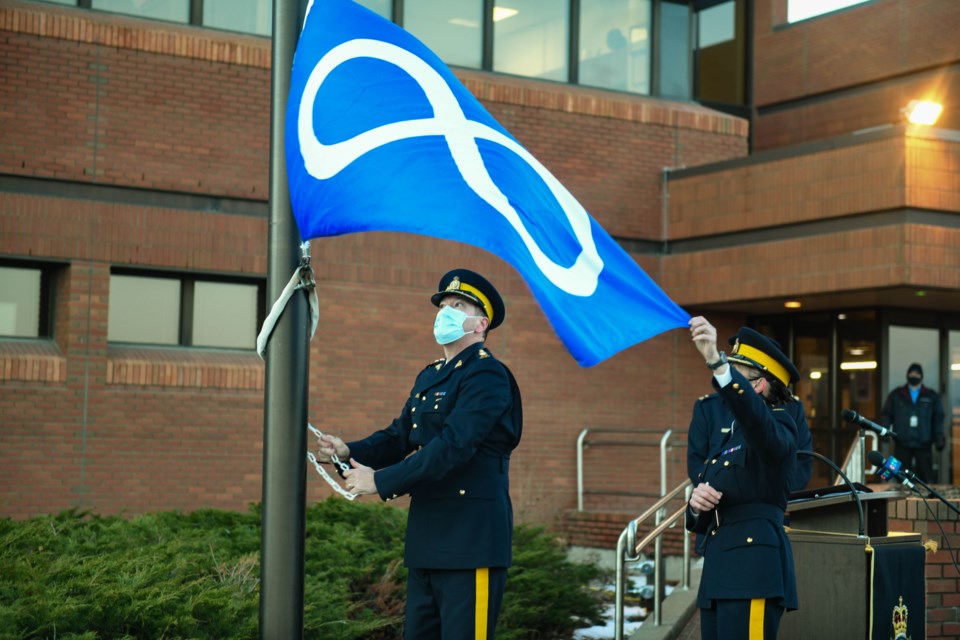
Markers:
<point>740,497</point>
<point>450,450</point>
<point>915,413</point>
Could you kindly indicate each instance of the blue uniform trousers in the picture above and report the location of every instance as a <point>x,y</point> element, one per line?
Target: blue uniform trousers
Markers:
<point>453,604</point>
<point>756,619</point>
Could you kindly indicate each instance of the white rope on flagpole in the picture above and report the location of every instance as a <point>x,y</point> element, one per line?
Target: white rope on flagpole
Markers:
<point>302,278</point>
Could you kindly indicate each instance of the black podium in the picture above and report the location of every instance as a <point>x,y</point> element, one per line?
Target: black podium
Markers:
<point>843,580</point>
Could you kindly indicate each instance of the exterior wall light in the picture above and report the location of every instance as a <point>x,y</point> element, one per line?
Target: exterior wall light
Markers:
<point>922,112</point>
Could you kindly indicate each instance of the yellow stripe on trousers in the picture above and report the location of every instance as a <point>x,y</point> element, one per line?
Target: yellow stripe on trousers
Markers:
<point>482,602</point>
<point>757,606</point>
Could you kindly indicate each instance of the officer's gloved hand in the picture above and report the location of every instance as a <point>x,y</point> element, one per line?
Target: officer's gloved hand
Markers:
<point>940,442</point>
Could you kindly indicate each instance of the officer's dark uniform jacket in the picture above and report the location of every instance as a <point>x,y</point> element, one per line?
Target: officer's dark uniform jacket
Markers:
<point>710,425</point>
<point>747,553</point>
<point>898,409</point>
<point>450,450</point>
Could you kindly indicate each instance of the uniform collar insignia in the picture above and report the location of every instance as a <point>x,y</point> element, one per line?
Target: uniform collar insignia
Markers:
<point>458,365</point>
<point>483,353</point>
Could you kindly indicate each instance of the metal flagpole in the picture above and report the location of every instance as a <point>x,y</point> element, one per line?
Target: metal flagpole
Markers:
<point>283,518</point>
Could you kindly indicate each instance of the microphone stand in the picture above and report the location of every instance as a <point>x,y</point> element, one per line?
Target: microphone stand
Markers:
<point>863,454</point>
<point>853,490</point>
<point>931,493</point>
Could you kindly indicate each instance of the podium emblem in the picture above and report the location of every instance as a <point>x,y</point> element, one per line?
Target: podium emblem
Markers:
<point>900,621</point>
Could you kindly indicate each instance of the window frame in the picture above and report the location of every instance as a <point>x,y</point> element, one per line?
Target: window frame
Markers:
<point>188,280</point>
<point>48,277</point>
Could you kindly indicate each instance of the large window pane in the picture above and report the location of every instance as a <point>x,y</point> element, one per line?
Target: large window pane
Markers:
<point>247,16</point>
<point>615,44</point>
<point>382,7</point>
<point>530,38</point>
<point>721,53</point>
<point>803,9</point>
<point>144,310</point>
<point>909,345</point>
<point>950,460</point>
<point>224,315</point>
<point>674,65</point>
<point>452,29</point>
<point>19,302</point>
<point>173,10</point>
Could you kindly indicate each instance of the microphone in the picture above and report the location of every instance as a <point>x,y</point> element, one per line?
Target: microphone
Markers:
<point>852,416</point>
<point>892,468</point>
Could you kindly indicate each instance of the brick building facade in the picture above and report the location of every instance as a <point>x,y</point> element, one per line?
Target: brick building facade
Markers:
<point>129,144</point>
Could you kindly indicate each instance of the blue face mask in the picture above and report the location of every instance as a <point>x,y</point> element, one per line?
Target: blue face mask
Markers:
<point>448,327</point>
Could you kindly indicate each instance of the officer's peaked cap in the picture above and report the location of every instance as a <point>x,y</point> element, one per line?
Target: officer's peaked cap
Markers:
<point>476,289</point>
<point>753,349</point>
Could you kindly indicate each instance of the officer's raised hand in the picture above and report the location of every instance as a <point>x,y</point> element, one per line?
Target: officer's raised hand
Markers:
<point>704,337</point>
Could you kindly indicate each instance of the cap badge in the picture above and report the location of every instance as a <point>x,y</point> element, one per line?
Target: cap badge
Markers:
<point>454,284</point>
<point>736,346</point>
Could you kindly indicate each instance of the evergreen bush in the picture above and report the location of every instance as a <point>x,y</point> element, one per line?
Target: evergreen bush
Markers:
<point>81,576</point>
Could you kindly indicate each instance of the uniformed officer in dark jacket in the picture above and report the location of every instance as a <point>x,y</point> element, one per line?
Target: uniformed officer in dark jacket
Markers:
<point>915,413</point>
<point>450,450</point>
<point>711,422</point>
<point>748,578</point>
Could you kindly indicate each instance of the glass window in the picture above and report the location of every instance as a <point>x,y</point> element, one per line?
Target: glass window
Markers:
<point>144,310</point>
<point>72,3</point>
<point>224,315</point>
<point>452,29</point>
<point>530,38</point>
<point>20,295</point>
<point>382,7</point>
<point>615,44</point>
<point>172,10</point>
<point>803,9</point>
<point>674,49</point>
<point>909,345</point>
<point>717,25</point>
<point>247,16</point>
<point>721,53</point>
<point>951,428</point>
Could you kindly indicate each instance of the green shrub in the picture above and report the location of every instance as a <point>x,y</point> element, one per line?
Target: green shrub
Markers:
<point>81,576</point>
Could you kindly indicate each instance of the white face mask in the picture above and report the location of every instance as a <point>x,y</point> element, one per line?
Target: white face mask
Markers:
<point>448,327</point>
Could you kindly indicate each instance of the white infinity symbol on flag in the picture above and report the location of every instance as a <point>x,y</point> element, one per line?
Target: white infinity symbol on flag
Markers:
<point>325,161</point>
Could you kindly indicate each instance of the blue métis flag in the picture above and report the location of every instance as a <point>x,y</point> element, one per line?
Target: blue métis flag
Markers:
<point>380,136</point>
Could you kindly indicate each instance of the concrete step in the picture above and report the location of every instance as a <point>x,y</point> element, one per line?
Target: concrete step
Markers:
<point>678,619</point>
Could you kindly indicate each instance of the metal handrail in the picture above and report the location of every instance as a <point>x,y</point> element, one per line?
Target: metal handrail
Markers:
<point>581,441</point>
<point>854,463</point>
<point>628,540</point>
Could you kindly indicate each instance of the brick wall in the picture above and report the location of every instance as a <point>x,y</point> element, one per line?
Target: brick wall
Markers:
<point>852,69</point>
<point>943,580</point>
<point>902,172</point>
